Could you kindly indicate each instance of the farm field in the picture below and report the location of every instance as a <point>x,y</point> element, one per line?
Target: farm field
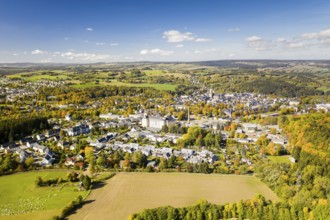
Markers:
<point>116,83</point>
<point>35,76</point>
<point>21,199</point>
<point>128,193</point>
<point>152,85</point>
<point>162,73</point>
<point>101,77</point>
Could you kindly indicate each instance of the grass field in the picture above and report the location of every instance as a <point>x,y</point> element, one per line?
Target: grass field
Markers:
<point>162,73</point>
<point>21,199</point>
<point>116,83</point>
<point>128,193</point>
<point>35,76</point>
<point>156,86</point>
<point>279,159</point>
<point>38,75</point>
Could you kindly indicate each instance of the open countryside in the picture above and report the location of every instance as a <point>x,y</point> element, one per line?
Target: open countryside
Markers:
<point>164,110</point>
<point>149,78</point>
<point>128,193</point>
<point>20,198</point>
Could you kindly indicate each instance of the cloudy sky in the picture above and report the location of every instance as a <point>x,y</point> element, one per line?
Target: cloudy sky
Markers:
<point>83,31</point>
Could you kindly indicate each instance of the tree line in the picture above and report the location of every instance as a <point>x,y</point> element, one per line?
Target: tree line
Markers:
<point>255,208</point>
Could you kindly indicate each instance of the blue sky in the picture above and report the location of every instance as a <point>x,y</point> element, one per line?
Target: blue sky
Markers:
<point>83,31</point>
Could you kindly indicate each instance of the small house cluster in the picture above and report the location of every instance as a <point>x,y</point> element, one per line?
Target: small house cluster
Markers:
<point>188,155</point>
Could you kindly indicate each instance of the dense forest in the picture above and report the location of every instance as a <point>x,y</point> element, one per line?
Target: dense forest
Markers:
<point>13,129</point>
<point>311,133</point>
<point>279,88</point>
<point>80,96</point>
<point>304,187</point>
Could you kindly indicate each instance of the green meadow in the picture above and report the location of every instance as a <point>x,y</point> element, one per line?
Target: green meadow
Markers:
<point>100,77</point>
<point>20,198</point>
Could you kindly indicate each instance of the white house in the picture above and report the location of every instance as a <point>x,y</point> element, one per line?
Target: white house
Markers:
<point>156,122</point>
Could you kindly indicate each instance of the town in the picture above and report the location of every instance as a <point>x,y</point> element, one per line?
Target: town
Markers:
<point>116,122</point>
<point>154,134</point>
<point>164,110</point>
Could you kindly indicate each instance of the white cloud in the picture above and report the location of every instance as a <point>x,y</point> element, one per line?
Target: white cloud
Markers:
<point>325,33</point>
<point>325,42</point>
<point>57,53</point>
<point>35,52</point>
<point>281,40</point>
<point>114,44</point>
<point>161,52</point>
<point>203,51</point>
<point>233,30</point>
<point>89,57</point>
<point>143,52</point>
<point>310,35</point>
<point>319,39</point>
<point>257,43</point>
<point>89,29</point>
<point>253,39</point>
<point>320,35</point>
<point>305,41</point>
<point>202,40</point>
<point>67,38</point>
<point>175,36</point>
<point>156,51</point>
<point>99,43</point>
<point>296,45</point>
<point>15,54</point>
<point>179,45</point>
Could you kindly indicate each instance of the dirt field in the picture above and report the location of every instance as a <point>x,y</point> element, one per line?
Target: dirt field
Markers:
<point>128,193</point>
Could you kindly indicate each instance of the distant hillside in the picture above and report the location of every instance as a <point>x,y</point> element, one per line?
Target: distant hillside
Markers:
<point>278,87</point>
<point>219,63</point>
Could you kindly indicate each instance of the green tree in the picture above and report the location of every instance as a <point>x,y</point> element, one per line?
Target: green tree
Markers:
<point>9,164</point>
<point>209,140</point>
<point>199,142</point>
<point>29,162</point>
<point>72,176</point>
<point>171,161</point>
<point>101,160</point>
<point>163,164</point>
<point>296,153</point>
<point>86,182</point>
<point>217,140</point>
<point>139,158</point>
<point>182,115</point>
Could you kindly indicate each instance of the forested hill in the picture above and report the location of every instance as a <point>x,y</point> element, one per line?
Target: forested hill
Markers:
<point>310,133</point>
